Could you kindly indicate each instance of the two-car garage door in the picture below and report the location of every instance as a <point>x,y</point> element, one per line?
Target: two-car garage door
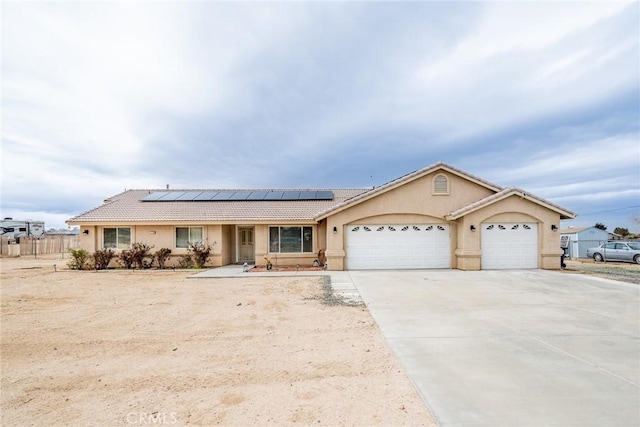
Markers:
<point>389,246</point>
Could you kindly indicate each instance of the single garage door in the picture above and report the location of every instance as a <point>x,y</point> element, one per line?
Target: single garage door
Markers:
<point>379,247</point>
<point>509,245</point>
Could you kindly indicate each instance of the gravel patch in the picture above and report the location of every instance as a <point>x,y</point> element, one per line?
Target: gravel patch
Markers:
<point>622,272</point>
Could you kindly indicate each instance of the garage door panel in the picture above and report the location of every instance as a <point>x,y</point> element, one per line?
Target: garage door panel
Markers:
<point>509,245</point>
<point>402,246</point>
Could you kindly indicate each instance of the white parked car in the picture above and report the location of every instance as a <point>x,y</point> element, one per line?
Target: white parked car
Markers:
<point>616,251</point>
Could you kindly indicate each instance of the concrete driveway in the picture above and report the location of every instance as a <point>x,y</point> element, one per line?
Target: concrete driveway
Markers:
<point>513,348</point>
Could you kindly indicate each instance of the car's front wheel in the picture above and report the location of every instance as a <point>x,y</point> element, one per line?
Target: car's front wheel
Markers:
<point>597,257</point>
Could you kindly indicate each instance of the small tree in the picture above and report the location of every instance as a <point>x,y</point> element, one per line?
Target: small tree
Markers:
<point>136,256</point>
<point>601,226</point>
<point>161,256</point>
<point>125,258</point>
<point>140,252</point>
<point>79,258</point>
<point>200,253</point>
<point>624,232</point>
<point>102,258</point>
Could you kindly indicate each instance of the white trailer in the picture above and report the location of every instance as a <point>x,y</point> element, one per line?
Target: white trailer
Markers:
<point>14,229</point>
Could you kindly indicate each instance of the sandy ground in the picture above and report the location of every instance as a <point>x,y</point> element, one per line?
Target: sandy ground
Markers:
<point>147,347</point>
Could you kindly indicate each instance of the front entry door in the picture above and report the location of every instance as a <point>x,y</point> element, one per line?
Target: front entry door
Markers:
<point>245,244</point>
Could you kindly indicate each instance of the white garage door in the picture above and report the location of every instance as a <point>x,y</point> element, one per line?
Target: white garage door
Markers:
<point>378,247</point>
<point>509,245</point>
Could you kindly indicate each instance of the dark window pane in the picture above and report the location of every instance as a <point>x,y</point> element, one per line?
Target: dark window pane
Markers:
<point>182,237</point>
<point>124,238</point>
<point>274,239</point>
<point>195,234</point>
<point>109,237</point>
<point>290,239</point>
<point>307,239</point>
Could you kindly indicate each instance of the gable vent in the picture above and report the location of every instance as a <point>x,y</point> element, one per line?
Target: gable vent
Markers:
<point>440,184</point>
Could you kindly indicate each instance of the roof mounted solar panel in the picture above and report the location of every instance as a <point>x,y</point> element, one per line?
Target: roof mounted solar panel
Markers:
<point>258,195</point>
<point>324,195</point>
<point>307,195</point>
<point>205,196</point>
<point>231,195</point>
<point>172,196</point>
<point>223,195</point>
<point>240,195</point>
<point>189,196</point>
<point>154,196</point>
<point>291,195</point>
<point>274,195</point>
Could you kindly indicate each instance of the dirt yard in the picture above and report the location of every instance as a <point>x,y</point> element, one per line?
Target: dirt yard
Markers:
<point>123,348</point>
<point>621,271</point>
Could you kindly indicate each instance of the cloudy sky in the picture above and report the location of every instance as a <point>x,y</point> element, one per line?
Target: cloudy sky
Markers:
<point>102,96</point>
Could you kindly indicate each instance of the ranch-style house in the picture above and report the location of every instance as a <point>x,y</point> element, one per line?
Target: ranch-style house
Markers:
<point>435,217</point>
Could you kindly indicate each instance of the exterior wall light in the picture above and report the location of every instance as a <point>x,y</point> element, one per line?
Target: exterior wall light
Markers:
<point>85,232</point>
<point>472,228</point>
<point>554,227</point>
<point>335,230</point>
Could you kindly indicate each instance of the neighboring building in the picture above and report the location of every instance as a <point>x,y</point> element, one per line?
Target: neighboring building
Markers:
<point>583,238</point>
<point>13,229</point>
<point>614,236</point>
<point>63,232</point>
<point>436,217</point>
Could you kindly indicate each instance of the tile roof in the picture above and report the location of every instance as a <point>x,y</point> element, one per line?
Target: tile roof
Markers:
<point>507,192</point>
<point>127,207</point>
<point>574,229</point>
<point>407,178</point>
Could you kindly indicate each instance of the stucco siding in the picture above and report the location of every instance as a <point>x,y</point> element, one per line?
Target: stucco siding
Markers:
<point>511,209</point>
<point>413,202</point>
<point>226,244</point>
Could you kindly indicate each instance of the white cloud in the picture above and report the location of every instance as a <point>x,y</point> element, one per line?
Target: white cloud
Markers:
<point>546,53</point>
<point>587,157</point>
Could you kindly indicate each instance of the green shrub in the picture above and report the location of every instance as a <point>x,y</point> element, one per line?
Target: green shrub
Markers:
<point>102,258</point>
<point>79,258</point>
<point>161,256</point>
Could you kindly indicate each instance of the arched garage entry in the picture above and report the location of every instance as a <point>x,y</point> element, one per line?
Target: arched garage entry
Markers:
<point>397,246</point>
<point>509,245</point>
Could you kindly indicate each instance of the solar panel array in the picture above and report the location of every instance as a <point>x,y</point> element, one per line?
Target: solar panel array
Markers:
<point>218,196</point>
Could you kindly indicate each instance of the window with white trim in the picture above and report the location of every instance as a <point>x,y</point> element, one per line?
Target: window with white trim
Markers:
<point>440,184</point>
<point>116,238</point>
<point>186,235</point>
<point>290,239</point>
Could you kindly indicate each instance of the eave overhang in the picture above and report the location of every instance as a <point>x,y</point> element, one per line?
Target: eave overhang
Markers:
<point>509,192</point>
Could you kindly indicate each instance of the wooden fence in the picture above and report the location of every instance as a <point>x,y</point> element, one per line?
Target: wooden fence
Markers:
<point>42,245</point>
